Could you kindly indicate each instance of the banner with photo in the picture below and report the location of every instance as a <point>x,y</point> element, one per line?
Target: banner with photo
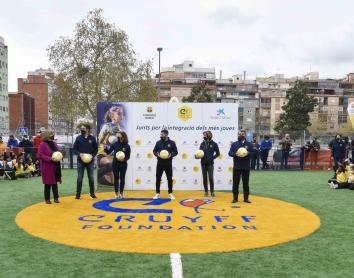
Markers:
<point>185,122</point>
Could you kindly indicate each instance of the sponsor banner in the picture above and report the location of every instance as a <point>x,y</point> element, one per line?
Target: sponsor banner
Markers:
<point>185,122</point>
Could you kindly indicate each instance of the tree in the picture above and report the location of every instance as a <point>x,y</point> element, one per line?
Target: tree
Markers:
<point>199,93</point>
<point>295,118</point>
<point>317,127</point>
<point>345,129</point>
<point>99,64</point>
<point>64,104</point>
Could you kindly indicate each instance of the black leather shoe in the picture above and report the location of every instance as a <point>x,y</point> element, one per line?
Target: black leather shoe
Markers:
<point>247,201</point>
<point>234,201</point>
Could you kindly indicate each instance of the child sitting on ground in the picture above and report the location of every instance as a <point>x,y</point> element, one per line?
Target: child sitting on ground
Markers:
<point>21,169</point>
<point>341,180</point>
<point>9,167</point>
<point>32,167</point>
<point>351,177</point>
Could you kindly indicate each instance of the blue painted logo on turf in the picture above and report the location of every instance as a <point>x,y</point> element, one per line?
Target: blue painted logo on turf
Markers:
<point>106,205</point>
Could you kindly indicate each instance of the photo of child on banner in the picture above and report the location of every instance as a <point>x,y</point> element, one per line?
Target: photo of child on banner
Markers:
<point>111,119</point>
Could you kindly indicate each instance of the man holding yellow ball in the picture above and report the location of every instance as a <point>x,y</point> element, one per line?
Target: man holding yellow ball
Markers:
<point>165,149</point>
<point>241,151</point>
<point>85,147</point>
<point>208,151</point>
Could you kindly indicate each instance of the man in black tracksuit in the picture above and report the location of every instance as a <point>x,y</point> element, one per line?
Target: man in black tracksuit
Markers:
<point>241,166</point>
<point>164,165</point>
<point>211,151</point>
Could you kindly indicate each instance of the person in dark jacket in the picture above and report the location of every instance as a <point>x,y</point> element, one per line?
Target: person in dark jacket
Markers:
<point>315,149</point>
<point>85,144</point>
<point>255,154</point>
<point>164,165</point>
<point>266,146</point>
<point>119,167</point>
<point>211,152</point>
<point>241,167</point>
<point>27,145</point>
<point>285,144</point>
<point>338,148</point>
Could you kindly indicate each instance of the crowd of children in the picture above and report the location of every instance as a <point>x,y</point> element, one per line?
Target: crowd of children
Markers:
<point>14,166</point>
<point>344,177</point>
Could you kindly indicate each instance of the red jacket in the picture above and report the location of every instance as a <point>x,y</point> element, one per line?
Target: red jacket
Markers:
<point>37,140</point>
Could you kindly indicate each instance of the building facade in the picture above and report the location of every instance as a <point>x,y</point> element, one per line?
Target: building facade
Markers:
<point>4,99</point>
<point>178,80</point>
<point>243,92</point>
<point>22,112</point>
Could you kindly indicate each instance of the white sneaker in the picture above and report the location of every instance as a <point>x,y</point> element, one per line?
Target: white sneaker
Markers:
<point>171,196</point>
<point>120,196</point>
<point>157,196</point>
<point>117,196</point>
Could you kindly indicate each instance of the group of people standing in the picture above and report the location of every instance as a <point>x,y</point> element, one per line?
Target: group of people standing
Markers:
<point>85,143</point>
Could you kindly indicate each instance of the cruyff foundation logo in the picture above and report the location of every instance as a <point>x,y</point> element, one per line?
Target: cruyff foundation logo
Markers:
<point>184,113</point>
<point>162,214</point>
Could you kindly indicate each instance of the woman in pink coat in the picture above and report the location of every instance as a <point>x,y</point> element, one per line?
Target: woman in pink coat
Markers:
<point>50,170</point>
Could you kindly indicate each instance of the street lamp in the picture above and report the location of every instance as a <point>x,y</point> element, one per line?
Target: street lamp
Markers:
<point>159,49</point>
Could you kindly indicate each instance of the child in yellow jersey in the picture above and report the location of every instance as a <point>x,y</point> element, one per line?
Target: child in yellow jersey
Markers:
<point>341,180</point>
<point>351,177</point>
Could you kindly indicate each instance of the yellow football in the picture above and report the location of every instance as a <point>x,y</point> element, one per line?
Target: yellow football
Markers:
<point>57,156</point>
<point>199,154</point>
<point>120,156</point>
<point>242,152</point>
<point>86,158</point>
<point>164,154</point>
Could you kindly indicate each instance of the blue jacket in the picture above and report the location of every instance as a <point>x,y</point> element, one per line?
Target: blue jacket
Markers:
<point>85,145</point>
<point>338,149</point>
<point>119,147</point>
<point>266,145</point>
<point>241,163</point>
<point>168,145</point>
<point>211,151</point>
<point>12,143</point>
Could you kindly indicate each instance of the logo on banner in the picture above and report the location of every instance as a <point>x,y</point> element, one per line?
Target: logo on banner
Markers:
<point>184,113</point>
<point>220,114</point>
<point>149,115</point>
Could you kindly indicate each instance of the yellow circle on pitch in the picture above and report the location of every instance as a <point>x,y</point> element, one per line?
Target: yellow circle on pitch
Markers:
<point>189,224</point>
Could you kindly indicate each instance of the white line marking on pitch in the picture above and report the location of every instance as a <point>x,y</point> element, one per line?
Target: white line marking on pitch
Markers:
<point>176,265</point>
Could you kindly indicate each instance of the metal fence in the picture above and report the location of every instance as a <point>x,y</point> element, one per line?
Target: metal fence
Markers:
<point>298,159</point>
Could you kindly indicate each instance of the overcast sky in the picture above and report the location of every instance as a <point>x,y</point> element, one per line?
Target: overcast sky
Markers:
<point>262,37</point>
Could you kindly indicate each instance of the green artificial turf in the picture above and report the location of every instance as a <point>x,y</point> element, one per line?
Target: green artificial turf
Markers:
<point>329,252</point>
